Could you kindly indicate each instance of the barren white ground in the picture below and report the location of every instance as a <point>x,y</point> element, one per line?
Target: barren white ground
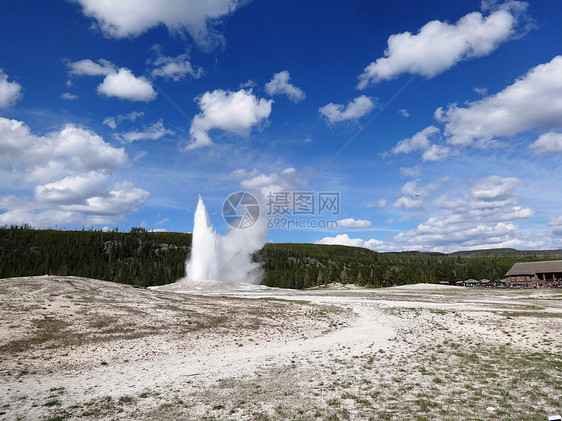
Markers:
<point>75,348</point>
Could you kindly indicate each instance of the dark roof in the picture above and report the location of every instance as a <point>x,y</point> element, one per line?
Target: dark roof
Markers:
<point>531,268</point>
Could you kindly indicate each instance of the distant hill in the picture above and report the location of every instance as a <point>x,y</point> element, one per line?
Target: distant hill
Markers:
<point>509,252</point>
<point>146,258</point>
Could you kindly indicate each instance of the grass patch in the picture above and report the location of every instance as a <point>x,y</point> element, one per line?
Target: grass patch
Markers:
<point>52,402</point>
<point>125,399</point>
<point>531,314</point>
<point>103,322</point>
<point>284,300</point>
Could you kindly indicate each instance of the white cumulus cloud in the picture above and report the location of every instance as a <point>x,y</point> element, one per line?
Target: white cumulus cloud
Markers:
<point>125,85</point>
<point>72,189</point>
<point>113,122</point>
<point>555,225</point>
<point>153,132</point>
<point>280,85</point>
<point>423,141</point>
<point>534,101</point>
<point>355,109</point>
<point>436,153</point>
<point>10,92</point>
<point>547,143</point>
<point>88,67</point>
<point>70,150</point>
<point>118,82</point>
<point>233,112</point>
<point>415,171</point>
<point>276,182</point>
<point>248,84</point>
<point>494,187</point>
<point>68,171</point>
<point>69,96</point>
<point>481,91</point>
<point>418,142</point>
<point>353,223</point>
<point>130,18</point>
<point>439,45</point>
<point>242,173</point>
<point>482,217</point>
<point>413,195</point>
<point>175,68</point>
<point>345,240</point>
<point>124,198</point>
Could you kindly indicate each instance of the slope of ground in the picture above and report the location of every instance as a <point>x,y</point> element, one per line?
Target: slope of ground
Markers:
<point>422,352</point>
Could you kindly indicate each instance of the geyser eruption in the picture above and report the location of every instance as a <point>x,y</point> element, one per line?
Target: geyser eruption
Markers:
<point>202,264</point>
<point>227,258</point>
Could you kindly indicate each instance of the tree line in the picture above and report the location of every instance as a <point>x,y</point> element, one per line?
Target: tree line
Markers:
<point>145,258</point>
<point>307,265</point>
<point>137,258</point>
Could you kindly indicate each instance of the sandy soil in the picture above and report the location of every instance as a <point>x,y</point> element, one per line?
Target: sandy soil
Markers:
<point>75,348</point>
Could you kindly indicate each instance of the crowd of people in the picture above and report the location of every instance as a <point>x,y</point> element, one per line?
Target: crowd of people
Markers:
<point>548,284</point>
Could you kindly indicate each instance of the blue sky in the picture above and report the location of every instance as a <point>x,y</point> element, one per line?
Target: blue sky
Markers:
<point>439,125</point>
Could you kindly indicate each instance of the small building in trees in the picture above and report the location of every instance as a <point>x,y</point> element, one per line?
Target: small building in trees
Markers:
<point>535,272</point>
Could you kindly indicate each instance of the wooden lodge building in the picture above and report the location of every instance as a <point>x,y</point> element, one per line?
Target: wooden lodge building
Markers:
<point>548,272</point>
